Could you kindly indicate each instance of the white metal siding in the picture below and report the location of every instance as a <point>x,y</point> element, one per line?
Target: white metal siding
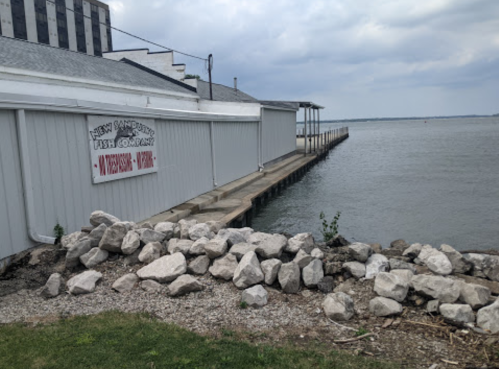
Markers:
<point>63,188</point>
<point>13,230</point>
<point>279,133</point>
<point>236,150</point>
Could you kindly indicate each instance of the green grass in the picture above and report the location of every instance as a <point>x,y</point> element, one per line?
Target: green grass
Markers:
<point>118,340</point>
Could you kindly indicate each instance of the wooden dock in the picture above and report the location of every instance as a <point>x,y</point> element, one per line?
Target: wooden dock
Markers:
<point>236,203</point>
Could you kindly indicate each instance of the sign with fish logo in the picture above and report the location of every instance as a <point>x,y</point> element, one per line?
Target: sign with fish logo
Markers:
<point>121,147</point>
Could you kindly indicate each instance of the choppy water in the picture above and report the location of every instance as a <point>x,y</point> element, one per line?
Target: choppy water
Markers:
<point>430,183</point>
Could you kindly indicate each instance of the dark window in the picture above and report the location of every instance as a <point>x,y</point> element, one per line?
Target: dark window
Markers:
<point>96,33</point>
<point>108,30</point>
<point>19,19</point>
<point>0,28</point>
<point>42,25</point>
<point>94,8</point>
<point>81,43</point>
<point>62,24</point>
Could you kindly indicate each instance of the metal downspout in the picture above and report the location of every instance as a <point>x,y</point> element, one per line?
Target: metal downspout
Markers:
<point>260,143</point>
<point>29,204</point>
<point>213,161</point>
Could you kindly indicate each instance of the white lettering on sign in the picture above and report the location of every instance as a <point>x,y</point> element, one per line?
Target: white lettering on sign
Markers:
<point>121,147</point>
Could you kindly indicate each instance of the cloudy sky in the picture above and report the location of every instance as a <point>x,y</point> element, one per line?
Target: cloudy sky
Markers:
<point>358,58</point>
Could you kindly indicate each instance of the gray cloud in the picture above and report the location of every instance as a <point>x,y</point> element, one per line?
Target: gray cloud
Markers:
<point>359,58</point>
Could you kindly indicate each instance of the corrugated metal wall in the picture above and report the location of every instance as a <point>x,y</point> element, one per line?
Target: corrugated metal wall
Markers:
<point>236,150</point>
<point>278,133</point>
<point>13,231</point>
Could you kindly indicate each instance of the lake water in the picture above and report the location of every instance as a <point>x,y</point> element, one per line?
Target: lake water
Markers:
<point>434,182</point>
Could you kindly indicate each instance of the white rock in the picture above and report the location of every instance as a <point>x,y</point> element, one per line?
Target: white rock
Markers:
<point>258,237</point>
<point>183,285</point>
<point>150,235</point>
<point>125,283</point>
<point>302,259</point>
<point>355,268</point>
<point>313,273</point>
<point>338,306</point>
<point>272,247</point>
<point>78,249</point>
<point>248,272</point>
<point>53,287</point>
<point>231,235</point>
<point>99,217</point>
<point>270,269</point>
<point>360,251</point>
<point>478,263</point>
<point>457,312</point>
<point>199,265</point>
<point>459,263</point>
<point>240,249</point>
<point>391,286</point>
<point>376,264</point>
<point>439,263</point>
<point>167,228</point>
<point>382,306</point>
<point>199,230</point>
<point>246,232</point>
<point>224,267</point>
<point>433,307</point>
<point>255,296</point>
<point>488,317</point>
<point>405,274</point>
<point>400,264</point>
<point>133,259</point>
<point>149,285</point>
<point>474,295</point>
<point>184,226</point>
<point>216,248</point>
<point>69,240</point>
<point>165,269</point>
<point>317,253</point>
<point>289,277</point>
<point>184,246</point>
<point>96,234</point>
<point>150,252</point>
<point>441,288</point>
<point>83,282</point>
<point>113,237</point>
<point>215,226</point>
<point>197,248</point>
<point>302,241</point>
<point>413,251</point>
<point>94,257</point>
<point>130,243</point>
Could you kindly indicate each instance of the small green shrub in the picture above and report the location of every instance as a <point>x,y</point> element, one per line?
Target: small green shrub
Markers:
<point>58,232</point>
<point>243,305</point>
<point>329,230</point>
<point>360,332</point>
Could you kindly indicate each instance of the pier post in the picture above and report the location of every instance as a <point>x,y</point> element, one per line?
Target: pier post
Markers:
<point>305,129</point>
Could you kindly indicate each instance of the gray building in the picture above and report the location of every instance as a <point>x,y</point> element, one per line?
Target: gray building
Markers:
<point>77,25</point>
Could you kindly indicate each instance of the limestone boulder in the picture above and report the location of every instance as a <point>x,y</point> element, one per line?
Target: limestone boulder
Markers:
<point>391,286</point>
<point>413,251</point>
<point>164,269</point>
<point>199,265</point>
<point>317,254</point>
<point>355,268</point>
<point>289,277</point>
<point>96,234</point>
<point>400,264</point>
<point>150,252</point>
<point>224,267</point>
<point>437,287</point>
<point>100,217</point>
<point>338,306</point>
<point>433,307</point>
<point>302,259</point>
<point>113,238</point>
<point>488,317</point>
<point>474,295</point>
<point>184,226</point>
<point>216,247</point>
<point>302,241</point>
<point>360,251</point>
<point>200,230</point>
<point>376,264</point>
<point>132,259</point>
<point>131,243</point>
<point>270,269</point>
<point>272,247</point>
<point>150,235</point>
<point>459,263</point>
<point>255,296</point>
<point>180,245</point>
<point>457,312</point>
<point>183,285</point>
<point>94,257</point>
<point>197,248</point>
<point>53,287</point>
<point>399,245</point>
<point>215,226</point>
<point>151,286</point>
<point>231,235</point>
<point>69,240</point>
<point>246,232</point>
<point>83,283</point>
<point>248,272</point>
<point>405,274</point>
<point>382,306</point>
<point>78,249</point>
<point>435,260</point>
<point>258,237</point>
<point>167,228</point>
<point>125,283</point>
<point>326,284</point>
<point>313,273</point>
<point>241,249</point>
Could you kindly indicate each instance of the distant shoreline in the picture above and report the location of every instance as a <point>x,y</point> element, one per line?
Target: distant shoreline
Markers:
<point>403,118</point>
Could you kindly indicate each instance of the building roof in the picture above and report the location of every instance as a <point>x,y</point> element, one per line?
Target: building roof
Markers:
<point>292,104</point>
<point>223,93</point>
<point>42,58</point>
